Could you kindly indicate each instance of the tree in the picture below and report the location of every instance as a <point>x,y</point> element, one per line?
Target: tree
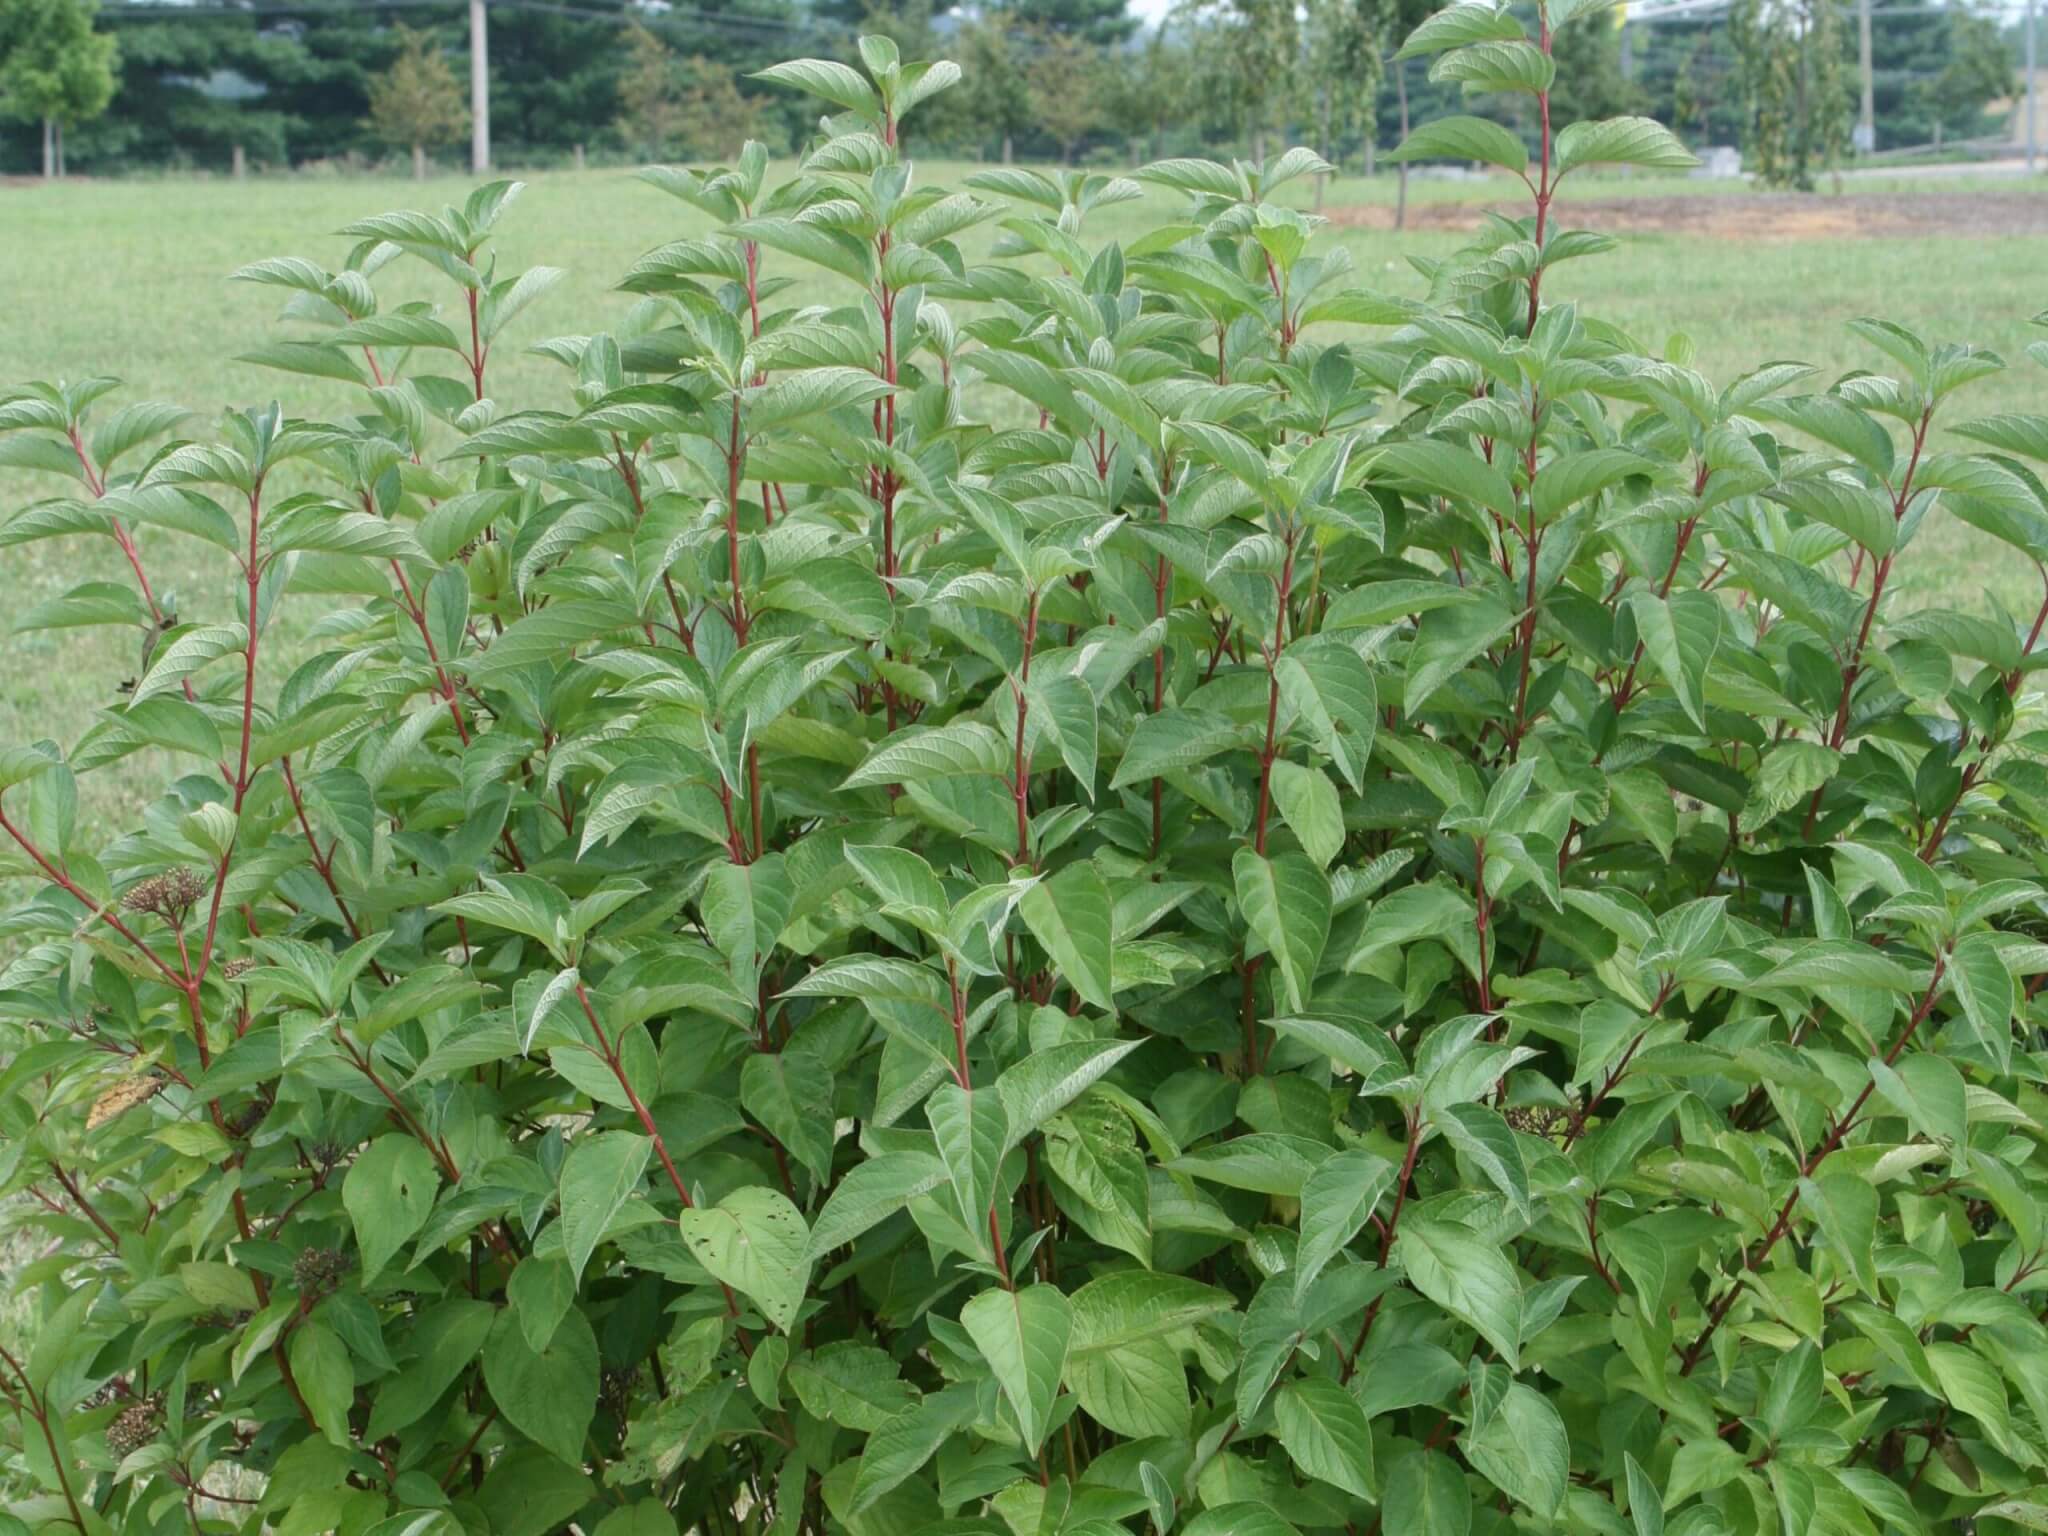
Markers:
<point>417,101</point>
<point>1251,61</point>
<point>1148,87</point>
<point>1590,83</point>
<point>650,95</point>
<point>997,98</point>
<point>716,119</point>
<point>1104,23</point>
<point>54,68</point>
<point>1791,55</point>
<point>1979,68</point>
<point>1065,79</point>
<point>1344,39</point>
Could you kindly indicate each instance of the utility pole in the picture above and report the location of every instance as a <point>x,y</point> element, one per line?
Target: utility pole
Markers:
<point>1866,121</point>
<point>2033,95</point>
<point>479,90</point>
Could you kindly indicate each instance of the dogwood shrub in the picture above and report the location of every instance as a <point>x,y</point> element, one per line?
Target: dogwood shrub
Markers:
<point>1115,887</point>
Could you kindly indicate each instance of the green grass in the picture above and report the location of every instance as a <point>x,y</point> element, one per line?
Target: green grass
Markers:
<point>129,279</point>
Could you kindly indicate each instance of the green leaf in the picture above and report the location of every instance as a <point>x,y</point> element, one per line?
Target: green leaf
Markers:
<point>1468,1277</point>
<point>756,1242</point>
<point>388,1192</point>
<point>1483,1137</point>
<point>1466,138</point>
<point>600,1173</point>
<point>870,1193</point>
<point>970,1126</point>
<point>1267,1162</point>
<point>836,83</point>
<point>1469,21</point>
<point>1680,635</point>
<point>1171,742</point>
<point>1044,1083</point>
<point>1069,914</point>
<point>1645,1504</point>
<point>1621,141</point>
<point>1448,640</point>
<point>899,1447</point>
<point>547,1394</point>
<point>1484,67</point>
<point>1523,1451</point>
<point>1325,1434</point>
<point>1024,1336</point>
<point>450,1334</point>
<point>1983,986</point>
<point>1336,1202</point>
<point>790,1094</point>
<point>1426,1496</point>
<point>326,1377</point>
<point>1446,470</point>
<point>1286,902</point>
<point>918,756</point>
<point>541,1292</point>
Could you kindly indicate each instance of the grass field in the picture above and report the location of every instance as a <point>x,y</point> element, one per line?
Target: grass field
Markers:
<point>129,279</point>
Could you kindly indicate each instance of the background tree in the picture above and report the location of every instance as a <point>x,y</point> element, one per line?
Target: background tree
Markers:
<point>1105,23</point>
<point>54,69</point>
<point>651,90</point>
<point>997,95</point>
<point>1064,75</point>
<point>416,102</point>
<point>716,119</point>
<point>1406,16</point>
<point>1148,88</point>
<point>1791,59</point>
<point>1590,83</point>
<point>1343,40</point>
<point>1250,64</point>
<point>1979,68</point>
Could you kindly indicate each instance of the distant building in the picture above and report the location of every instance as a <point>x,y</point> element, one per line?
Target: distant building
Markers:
<point>1718,162</point>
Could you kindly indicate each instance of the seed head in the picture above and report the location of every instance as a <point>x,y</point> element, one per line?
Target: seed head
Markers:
<point>136,1426</point>
<point>319,1270</point>
<point>170,895</point>
<point>1536,1119</point>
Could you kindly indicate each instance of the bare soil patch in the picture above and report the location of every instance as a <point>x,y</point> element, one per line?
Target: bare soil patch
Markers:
<point>1749,216</point>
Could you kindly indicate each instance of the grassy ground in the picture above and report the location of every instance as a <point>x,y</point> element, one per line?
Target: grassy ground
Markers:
<point>129,279</point>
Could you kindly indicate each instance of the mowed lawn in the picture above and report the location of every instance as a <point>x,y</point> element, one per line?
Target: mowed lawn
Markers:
<point>129,279</point>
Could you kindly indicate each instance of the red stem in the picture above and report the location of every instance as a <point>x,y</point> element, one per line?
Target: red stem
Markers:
<point>1269,752</point>
<point>1841,1128</point>
<point>1020,778</point>
<point>1879,573</point>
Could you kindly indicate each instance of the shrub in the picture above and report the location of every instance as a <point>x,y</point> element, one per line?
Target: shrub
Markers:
<point>1124,888</point>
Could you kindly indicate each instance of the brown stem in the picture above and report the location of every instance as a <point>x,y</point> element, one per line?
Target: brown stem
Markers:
<point>455,1466</point>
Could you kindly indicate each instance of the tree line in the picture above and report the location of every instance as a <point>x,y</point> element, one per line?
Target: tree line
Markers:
<point>336,82</point>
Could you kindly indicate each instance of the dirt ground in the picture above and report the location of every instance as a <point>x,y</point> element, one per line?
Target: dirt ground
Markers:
<point>1745,216</point>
